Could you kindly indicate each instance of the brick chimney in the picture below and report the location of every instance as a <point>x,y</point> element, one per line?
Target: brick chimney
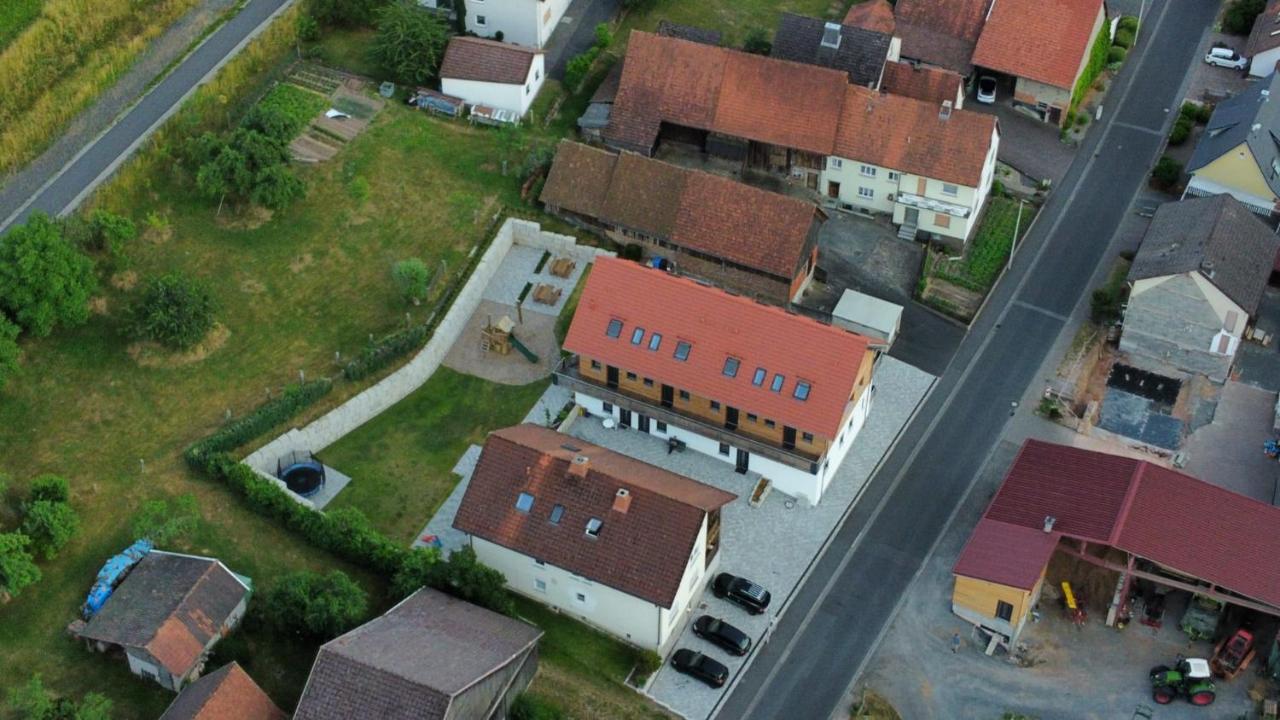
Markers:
<point>578,466</point>
<point>622,501</point>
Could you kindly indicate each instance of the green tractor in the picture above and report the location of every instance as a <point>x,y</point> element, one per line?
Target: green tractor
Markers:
<point>1189,677</point>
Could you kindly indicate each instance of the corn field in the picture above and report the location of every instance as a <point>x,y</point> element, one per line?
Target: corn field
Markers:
<point>63,60</point>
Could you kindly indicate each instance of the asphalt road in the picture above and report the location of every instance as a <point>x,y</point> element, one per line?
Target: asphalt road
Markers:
<point>839,614</point>
<point>70,184</point>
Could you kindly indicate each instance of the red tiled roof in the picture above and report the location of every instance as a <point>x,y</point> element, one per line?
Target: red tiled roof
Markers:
<point>784,103</point>
<point>921,82</point>
<point>718,325</point>
<point>643,545</point>
<point>693,209</point>
<point>1264,37</point>
<point>1013,555</point>
<point>910,136</point>
<point>940,32</point>
<point>874,15</point>
<point>1043,41</point>
<point>227,694</point>
<point>1171,519</point>
<point>471,58</point>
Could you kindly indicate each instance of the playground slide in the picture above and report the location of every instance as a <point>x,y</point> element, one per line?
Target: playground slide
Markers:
<point>526,352</point>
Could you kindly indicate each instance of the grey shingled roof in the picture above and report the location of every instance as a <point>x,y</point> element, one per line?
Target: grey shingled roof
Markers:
<point>411,662</point>
<point>861,53</point>
<point>1233,123</point>
<point>1217,236</point>
<point>689,32</point>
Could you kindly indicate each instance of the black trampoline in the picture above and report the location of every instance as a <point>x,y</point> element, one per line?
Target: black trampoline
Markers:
<point>301,473</point>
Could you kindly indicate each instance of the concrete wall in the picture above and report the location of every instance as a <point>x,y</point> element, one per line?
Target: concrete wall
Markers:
<point>1176,321</point>
<point>374,400</point>
<point>516,98</point>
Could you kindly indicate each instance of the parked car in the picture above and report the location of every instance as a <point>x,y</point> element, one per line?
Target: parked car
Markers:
<point>719,632</point>
<point>695,664</point>
<point>741,591</point>
<point>986,90</point>
<point>1225,57</point>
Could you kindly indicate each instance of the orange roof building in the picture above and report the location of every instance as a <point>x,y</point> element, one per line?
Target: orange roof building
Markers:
<point>754,385</point>
<point>875,15</point>
<point>858,148</point>
<point>1046,46</point>
<point>226,694</point>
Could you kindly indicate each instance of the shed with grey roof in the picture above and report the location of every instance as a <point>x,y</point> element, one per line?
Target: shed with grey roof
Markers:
<point>859,52</point>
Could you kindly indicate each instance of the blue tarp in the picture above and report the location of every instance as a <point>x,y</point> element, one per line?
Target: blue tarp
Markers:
<point>112,572</point>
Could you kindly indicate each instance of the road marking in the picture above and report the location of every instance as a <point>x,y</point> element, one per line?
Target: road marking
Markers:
<point>1139,128</point>
<point>972,363</point>
<point>1037,309</point>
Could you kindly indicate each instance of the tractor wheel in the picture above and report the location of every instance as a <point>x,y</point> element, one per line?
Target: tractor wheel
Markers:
<point>1204,697</point>
<point>1162,696</point>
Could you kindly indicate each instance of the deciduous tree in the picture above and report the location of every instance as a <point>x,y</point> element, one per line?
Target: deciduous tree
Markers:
<point>410,41</point>
<point>44,281</point>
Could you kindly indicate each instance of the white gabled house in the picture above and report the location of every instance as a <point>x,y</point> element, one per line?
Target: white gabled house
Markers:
<point>492,74</point>
<point>622,545</point>
<point>527,22</point>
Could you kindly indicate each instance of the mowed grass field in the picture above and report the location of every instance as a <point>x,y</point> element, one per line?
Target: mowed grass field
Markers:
<point>313,280</point>
<point>733,18</point>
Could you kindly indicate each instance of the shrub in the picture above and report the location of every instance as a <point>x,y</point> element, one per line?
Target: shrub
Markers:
<point>359,188</point>
<point>9,350</point>
<point>175,311</point>
<point>162,523</point>
<point>1180,132</point>
<point>385,351</point>
<point>313,605</point>
<point>631,251</point>
<point>17,566</point>
<point>49,487</point>
<point>1196,112</point>
<point>1123,39</point>
<point>997,188</point>
<point>349,13</point>
<point>422,567</point>
<point>535,707</point>
<point>757,41</point>
<point>1128,22</point>
<point>647,663</point>
<point>412,279</point>
<point>263,418</point>
<point>284,112</point>
<point>308,28</point>
<point>247,165</point>
<point>44,280</point>
<point>469,579</point>
<point>1166,173</point>
<point>33,702</point>
<point>410,41</point>
<point>1240,14</point>
<point>1116,54</point>
<point>604,36</point>
<point>1106,305</point>
<point>575,71</point>
<point>1049,408</point>
<point>50,525</point>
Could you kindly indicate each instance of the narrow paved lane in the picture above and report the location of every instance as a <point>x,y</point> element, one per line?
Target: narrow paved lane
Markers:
<point>839,614</point>
<point>73,182</point>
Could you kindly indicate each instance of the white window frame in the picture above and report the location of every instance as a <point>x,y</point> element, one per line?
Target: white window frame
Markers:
<point>866,193</point>
<point>835,163</point>
<point>481,21</point>
<point>867,171</point>
<point>953,192</point>
<point>540,585</point>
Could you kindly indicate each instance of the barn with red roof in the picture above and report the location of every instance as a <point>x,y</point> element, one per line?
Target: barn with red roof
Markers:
<point>751,384</point>
<point>1141,521</point>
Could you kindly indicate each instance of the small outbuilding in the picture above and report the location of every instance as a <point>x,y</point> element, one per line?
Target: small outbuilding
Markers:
<point>167,614</point>
<point>492,74</point>
<point>868,315</point>
<point>225,694</point>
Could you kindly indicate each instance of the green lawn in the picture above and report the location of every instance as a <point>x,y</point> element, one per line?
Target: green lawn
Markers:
<point>15,16</point>
<point>988,251</point>
<point>733,18</point>
<point>583,670</point>
<point>401,462</point>
<point>312,280</point>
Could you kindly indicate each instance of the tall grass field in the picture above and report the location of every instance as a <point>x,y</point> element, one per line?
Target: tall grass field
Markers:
<point>63,59</point>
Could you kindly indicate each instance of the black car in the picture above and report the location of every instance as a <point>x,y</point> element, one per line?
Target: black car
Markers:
<point>753,598</point>
<point>700,666</point>
<point>722,633</point>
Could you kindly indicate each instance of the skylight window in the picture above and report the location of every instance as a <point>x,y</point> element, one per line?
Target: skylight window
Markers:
<point>776,385</point>
<point>557,512</point>
<point>802,390</point>
<point>682,351</point>
<point>593,527</point>
<point>758,378</point>
<point>654,341</point>
<point>524,503</point>
<point>614,329</point>
<point>637,335</point>
<point>731,366</point>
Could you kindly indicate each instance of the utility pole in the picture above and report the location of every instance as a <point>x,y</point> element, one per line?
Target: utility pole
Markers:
<point>1013,242</point>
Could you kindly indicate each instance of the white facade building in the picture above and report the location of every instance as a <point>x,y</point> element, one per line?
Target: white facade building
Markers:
<point>526,22</point>
<point>493,74</point>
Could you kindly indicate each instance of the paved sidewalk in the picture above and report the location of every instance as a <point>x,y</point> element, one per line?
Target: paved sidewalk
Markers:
<point>771,544</point>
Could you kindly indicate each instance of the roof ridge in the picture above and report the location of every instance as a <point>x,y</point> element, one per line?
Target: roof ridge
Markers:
<point>1117,528</point>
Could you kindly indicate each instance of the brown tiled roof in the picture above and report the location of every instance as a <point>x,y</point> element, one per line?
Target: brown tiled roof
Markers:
<point>874,15</point>
<point>410,663</point>
<point>1043,41</point>
<point>644,194</point>
<point>759,336</point>
<point>940,32</point>
<point>785,103</point>
<point>227,694</point>
<point>749,226</point>
<point>579,178</point>
<point>642,552</point>
<point>470,58</point>
<point>170,605</point>
<point>921,82</point>
<point>693,209</point>
<point>1264,37</point>
<point>910,136</point>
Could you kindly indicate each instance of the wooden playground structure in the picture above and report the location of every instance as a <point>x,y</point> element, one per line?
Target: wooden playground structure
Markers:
<point>500,337</point>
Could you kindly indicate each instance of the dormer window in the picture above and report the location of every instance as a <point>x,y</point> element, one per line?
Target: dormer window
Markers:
<point>831,35</point>
<point>614,329</point>
<point>593,527</point>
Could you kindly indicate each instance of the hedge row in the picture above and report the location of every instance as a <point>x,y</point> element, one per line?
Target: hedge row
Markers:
<point>385,351</point>
<point>268,415</point>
